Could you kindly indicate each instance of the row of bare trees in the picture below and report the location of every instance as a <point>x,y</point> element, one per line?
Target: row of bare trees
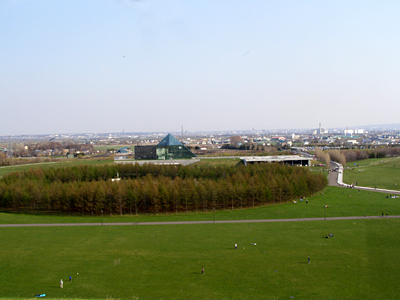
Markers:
<point>322,155</point>
<point>327,156</point>
<point>7,161</point>
<point>338,156</point>
<point>360,154</point>
<point>55,147</point>
<point>343,156</point>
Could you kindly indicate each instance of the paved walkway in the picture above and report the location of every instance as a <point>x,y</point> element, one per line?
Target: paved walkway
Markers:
<point>198,222</point>
<point>23,165</point>
<point>335,178</point>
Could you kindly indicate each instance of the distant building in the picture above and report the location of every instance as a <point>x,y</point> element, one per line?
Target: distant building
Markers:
<point>320,130</point>
<point>278,139</point>
<point>293,160</point>
<point>352,142</point>
<point>168,148</point>
<point>348,132</point>
<point>124,150</point>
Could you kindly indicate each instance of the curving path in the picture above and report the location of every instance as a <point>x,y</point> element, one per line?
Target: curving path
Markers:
<point>335,178</point>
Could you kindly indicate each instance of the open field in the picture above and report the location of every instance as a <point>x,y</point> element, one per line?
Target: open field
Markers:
<point>114,147</point>
<point>381,172</point>
<point>361,261</point>
<point>164,262</point>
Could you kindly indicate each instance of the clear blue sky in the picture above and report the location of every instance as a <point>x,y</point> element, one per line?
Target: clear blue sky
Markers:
<point>108,65</point>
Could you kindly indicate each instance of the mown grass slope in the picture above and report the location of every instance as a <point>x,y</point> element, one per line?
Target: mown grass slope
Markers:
<point>383,173</point>
<point>361,261</point>
<point>164,262</point>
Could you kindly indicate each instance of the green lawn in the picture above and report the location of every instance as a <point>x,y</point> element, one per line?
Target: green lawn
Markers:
<point>113,147</point>
<point>381,172</point>
<point>361,261</point>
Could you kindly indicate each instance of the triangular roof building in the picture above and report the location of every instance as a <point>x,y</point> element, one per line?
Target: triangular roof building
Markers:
<point>169,140</point>
<point>168,148</point>
<point>171,148</point>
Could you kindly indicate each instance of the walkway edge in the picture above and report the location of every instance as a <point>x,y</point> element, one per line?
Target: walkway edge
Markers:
<point>199,222</point>
<point>364,188</point>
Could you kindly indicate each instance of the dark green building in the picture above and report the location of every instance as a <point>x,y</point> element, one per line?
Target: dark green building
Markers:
<point>168,148</point>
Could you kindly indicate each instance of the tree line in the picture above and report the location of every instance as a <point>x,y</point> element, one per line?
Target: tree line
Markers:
<point>133,189</point>
<point>322,156</point>
<point>56,148</point>
<point>360,154</point>
<point>6,161</point>
<point>343,156</point>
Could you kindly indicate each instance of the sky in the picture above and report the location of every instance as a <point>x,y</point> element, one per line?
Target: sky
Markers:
<point>73,66</point>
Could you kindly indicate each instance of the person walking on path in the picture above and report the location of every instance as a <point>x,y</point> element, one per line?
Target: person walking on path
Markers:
<point>202,270</point>
<point>308,259</point>
<point>61,284</point>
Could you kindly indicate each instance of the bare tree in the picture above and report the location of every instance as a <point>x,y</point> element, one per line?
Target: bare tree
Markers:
<point>235,140</point>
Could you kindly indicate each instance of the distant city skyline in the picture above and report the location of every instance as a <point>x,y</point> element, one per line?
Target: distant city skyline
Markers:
<point>72,66</point>
<point>288,131</point>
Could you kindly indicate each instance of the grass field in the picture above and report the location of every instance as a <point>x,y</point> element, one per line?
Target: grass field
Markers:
<point>114,147</point>
<point>361,261</point>
<point>384,173</point>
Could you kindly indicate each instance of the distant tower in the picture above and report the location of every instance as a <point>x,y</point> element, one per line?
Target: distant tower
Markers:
<point>9,148</point>
<point>181,130</point>
<point>320,129</point>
